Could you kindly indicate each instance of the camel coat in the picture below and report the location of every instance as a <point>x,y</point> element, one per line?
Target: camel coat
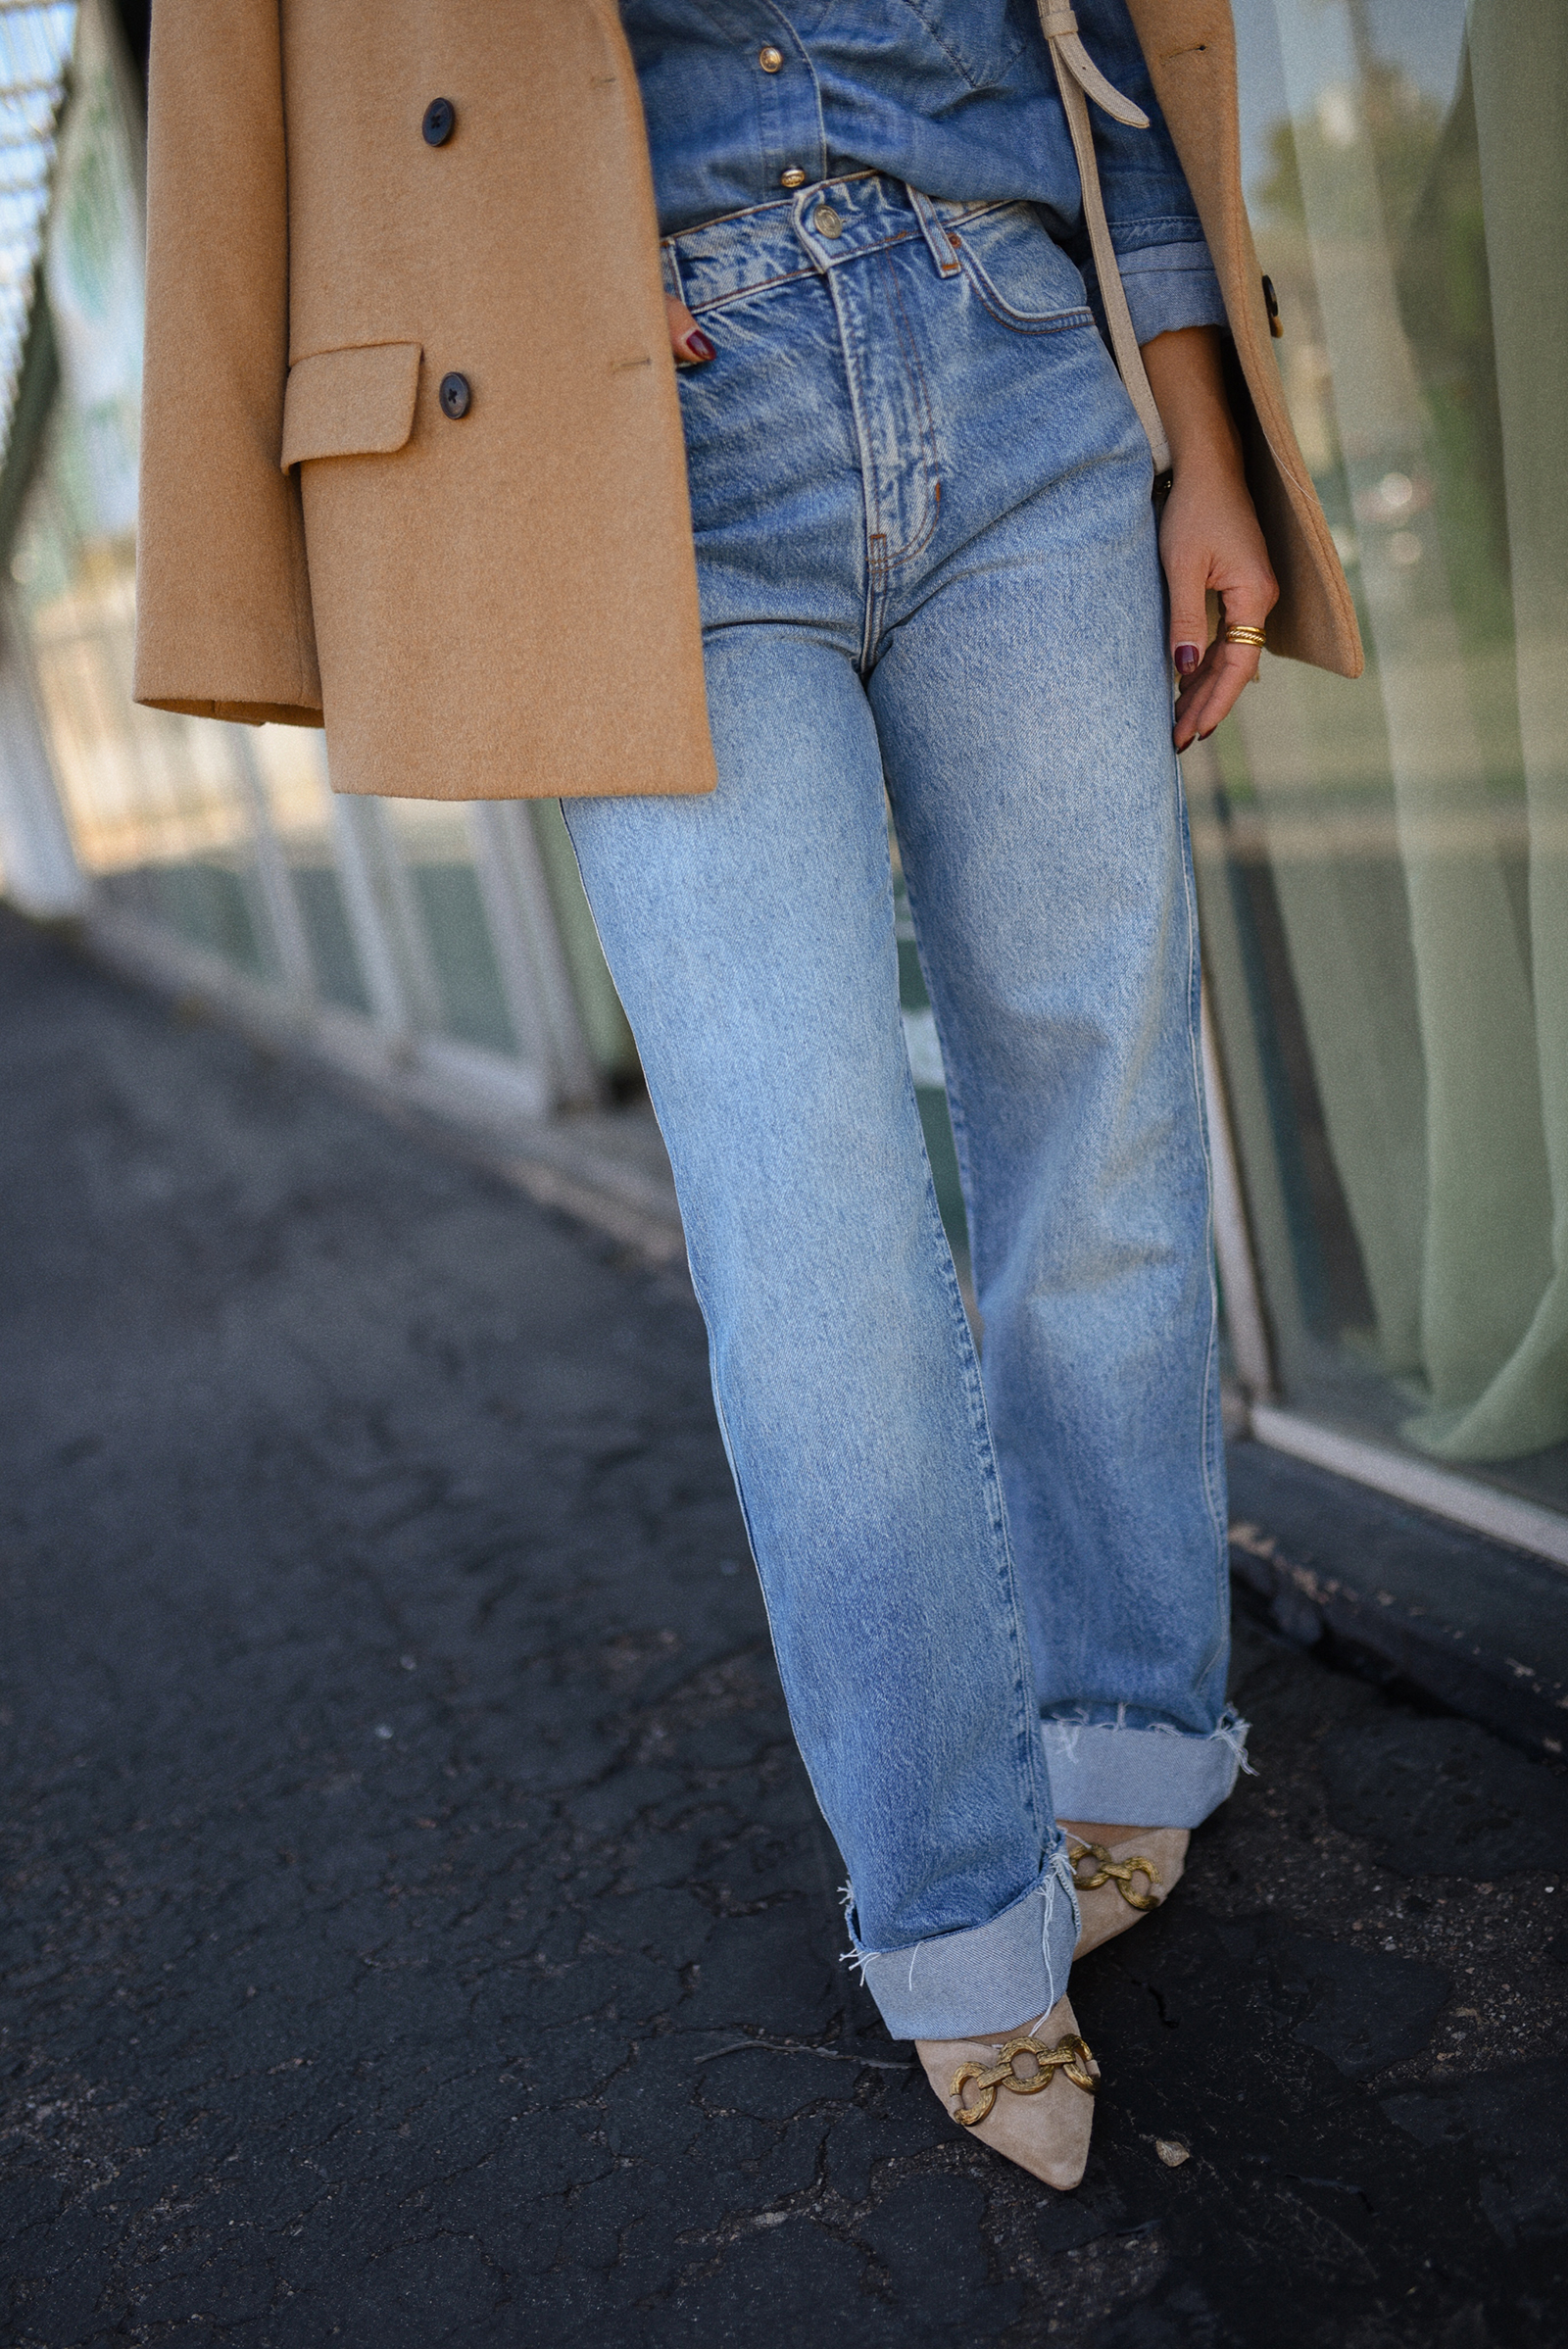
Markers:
<point>500,605</point>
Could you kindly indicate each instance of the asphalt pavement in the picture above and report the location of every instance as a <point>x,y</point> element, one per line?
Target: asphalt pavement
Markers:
<point>416,1925</point>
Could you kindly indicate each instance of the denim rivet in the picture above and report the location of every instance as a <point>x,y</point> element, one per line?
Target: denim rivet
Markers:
<point>770,58</point>
<point>793,178</point>
<point>826,222</point>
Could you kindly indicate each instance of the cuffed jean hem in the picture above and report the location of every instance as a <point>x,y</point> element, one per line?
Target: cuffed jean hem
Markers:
<point>1152,1777</point>
<point>992,1978</point>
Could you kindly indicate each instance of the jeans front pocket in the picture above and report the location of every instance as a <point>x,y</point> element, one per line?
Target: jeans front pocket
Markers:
<point>1021,273</point>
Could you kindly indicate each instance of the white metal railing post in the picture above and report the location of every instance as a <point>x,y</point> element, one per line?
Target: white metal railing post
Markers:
<point>384,921</point>
<point>38,867</point>
<point>534,977</point>
<point>281,906</point>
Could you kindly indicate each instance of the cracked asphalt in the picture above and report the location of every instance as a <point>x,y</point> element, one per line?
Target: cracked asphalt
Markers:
<point>417,1925</point>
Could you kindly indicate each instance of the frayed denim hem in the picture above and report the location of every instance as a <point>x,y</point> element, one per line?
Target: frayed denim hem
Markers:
<point>990,1978</point>
<point>1157,1775</point>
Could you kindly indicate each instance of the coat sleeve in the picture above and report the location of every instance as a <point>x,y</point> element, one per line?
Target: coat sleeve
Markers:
<point>224,623</point>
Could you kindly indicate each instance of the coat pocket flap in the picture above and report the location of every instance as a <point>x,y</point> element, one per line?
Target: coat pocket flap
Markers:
<point>351,402</point>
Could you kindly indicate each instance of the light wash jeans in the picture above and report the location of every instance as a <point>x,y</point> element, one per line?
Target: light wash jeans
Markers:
<point>927,561</point>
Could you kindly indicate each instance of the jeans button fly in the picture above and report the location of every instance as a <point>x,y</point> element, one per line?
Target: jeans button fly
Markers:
<point>826,222</point>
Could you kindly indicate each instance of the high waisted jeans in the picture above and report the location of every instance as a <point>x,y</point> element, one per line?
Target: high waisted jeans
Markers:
<point>928,566</point>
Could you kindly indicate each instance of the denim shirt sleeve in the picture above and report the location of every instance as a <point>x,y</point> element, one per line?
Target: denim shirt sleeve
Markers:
<point>1164,258</point>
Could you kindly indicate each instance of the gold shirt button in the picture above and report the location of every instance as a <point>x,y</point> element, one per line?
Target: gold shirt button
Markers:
<point>770,58</point>
<point>793,178</point>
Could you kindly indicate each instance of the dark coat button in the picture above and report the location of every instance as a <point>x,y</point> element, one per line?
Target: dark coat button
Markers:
<point>455,396</point>
<point>1272,305</point>
<point>440,122</point>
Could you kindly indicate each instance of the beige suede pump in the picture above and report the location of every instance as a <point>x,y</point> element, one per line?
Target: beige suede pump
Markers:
<point>1027,2093</point>
<point>1121,1874</point>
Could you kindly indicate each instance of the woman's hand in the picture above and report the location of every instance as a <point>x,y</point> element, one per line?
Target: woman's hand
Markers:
<point>1209,540</point>
<point>687,340</point>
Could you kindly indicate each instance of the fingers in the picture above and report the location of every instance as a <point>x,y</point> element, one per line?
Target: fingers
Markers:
<point>1212,691</point>
<point>687,340</point>
<point>1211,684</point>
<point>1188,618</point>
<point>1210,545</point>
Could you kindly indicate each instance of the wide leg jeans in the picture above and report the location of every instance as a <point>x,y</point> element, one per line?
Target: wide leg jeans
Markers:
<point>929,578</point>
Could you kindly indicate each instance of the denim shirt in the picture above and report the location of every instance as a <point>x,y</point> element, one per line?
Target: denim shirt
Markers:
<point>955,97</point>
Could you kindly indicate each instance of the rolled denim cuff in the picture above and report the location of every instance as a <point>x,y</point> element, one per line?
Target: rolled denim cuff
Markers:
<point>1169,287</point>
<point>990,1978</point>
<point>1154,1775</point>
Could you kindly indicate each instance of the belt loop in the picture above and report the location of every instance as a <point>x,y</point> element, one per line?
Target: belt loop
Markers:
<point>931,228</point>
<point>670,263</point>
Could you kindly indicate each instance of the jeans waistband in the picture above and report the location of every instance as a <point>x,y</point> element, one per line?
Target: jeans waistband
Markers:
<point>817,229</point>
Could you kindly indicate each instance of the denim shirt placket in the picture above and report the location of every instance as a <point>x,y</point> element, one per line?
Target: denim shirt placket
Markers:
<point>789,113</point>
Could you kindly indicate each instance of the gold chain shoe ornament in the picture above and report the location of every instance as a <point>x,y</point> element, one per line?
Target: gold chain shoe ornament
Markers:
<point>1120,1873</point>
<point>1047,2135</point>
<point>1071,2056</point>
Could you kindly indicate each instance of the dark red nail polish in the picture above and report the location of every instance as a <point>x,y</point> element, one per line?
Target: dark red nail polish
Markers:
<point>698,344</point>
<point>1187,658</point>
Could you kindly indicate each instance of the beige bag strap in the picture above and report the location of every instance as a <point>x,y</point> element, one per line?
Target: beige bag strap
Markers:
<point>1079,78</point>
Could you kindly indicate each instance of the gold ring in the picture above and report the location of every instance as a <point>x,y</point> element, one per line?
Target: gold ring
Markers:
<point>1244,636</point>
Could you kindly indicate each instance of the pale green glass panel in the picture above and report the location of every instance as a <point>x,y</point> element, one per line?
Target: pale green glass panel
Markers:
<point>1382,864</point>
